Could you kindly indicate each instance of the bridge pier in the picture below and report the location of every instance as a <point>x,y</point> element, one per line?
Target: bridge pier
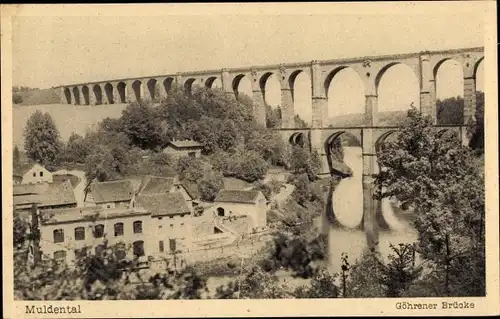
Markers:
<point>259,102</point>
<point>287,112</point>
<point>469,99</point>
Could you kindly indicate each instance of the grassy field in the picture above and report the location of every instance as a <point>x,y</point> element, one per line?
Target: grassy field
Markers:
<point>40,97</point>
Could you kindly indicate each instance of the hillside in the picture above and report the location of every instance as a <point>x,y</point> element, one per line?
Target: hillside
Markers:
<point>389,118</point>
<point>38,97</point>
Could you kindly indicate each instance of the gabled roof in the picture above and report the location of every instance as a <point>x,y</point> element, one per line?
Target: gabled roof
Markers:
<point>237,196</point>
<point>156,185</point>
<point>76,214</point>
<point>186,144</point>
<point>44,194</point>
<point>113,191</point>
<point>163,204</point>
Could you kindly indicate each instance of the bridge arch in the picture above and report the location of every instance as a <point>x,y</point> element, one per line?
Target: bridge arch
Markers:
<point>345,92</point>
<point>137,89</point>
<point>108,89</point>
<point>344,156</point>
<point>383,138</point>
<point>67,95</point>
<point>98,94</point>
<point>188,86</point>
<point>152,88</point>
<point>298,139</point>
<point>167,85</point>
<point>238,85</point>
<point>398,88</point>
<point>122,91</point>
<point>299,82</point>
<point>477,65</point>
<point>449,84</point>
<point>270,87</point>
<point>86,96</point>
<point>213,82</point>
<point>76,94</point>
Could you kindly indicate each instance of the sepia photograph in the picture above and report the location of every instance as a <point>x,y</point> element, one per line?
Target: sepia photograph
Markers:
<point>328,152</point>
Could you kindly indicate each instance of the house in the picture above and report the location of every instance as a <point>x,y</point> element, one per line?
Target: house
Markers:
<point>46,195</point>
<point>171,220</point>
<point>152,185</point>
<point>183,148</point>
<point>249,203</point>
<point>111,194</point>
<point>36,174</point>
<point>157,228</point>
<point>67,233</point>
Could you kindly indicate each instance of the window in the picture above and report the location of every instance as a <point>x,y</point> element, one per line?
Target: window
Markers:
<point>108,206</point>
<point>138,248</point>
<point>192,154</point>
<point>171,217</point>
<point>161,248</point>
<point>34,174</point>
<point>99,231</point>
<point>137,227</point>
<point>173,244</point>
<point>41,174</point>
<point>31,250</point>
<point>79,233</point>
<point>171,225</point>
<point>160,218</point>
<point>182,224</point>
<point>220,211</point>
<point>58,235</point>
<point>60,255</point>
<point>118,229</point>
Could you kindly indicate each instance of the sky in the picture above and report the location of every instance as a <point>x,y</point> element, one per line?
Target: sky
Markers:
<point>54,50</point>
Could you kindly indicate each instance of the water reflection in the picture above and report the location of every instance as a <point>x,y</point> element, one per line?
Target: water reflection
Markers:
<point>347,204</point>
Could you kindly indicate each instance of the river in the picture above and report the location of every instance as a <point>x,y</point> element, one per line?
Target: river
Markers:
<point>347,202</point>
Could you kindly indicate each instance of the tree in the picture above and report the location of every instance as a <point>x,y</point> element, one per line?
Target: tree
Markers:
<point>299,122</point>
<point>20,228</point>
<point>301,193</point>
<point>17,98</point>
<point>248,166</point>
<point>142,125</point>
<point>16,158</point>
<point>190,169</point>
<point>322,286</point>
<point>401,271</point>
<point>476,131</point>
<point>100,166</point>
<point>303,161</point>
<point>273,117</point>
<point>364,277</point>
<point>430,172</point>
<point>450,110</point>
<point>210,186</point>
<point>41,139</point>
<point>77,149</point>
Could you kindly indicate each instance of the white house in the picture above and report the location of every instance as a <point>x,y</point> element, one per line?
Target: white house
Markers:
<point>37,174</point>
<point>242,203</point>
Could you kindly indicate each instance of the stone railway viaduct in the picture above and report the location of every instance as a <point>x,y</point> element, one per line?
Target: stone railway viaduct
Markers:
<point>425,66</point>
